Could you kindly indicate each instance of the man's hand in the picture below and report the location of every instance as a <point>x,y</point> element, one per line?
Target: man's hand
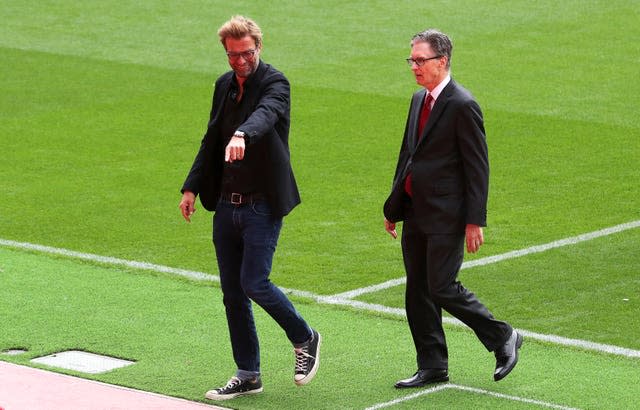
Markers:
<point>187,205</point>
<point>391,228</point>
<point>475,238</point>
<point>234,150</point>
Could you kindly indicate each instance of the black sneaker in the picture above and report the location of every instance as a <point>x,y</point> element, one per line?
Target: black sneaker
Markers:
<point>307,359</point>
<point>234,388</point>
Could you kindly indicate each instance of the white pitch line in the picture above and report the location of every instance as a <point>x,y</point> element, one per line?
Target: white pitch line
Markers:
<point>468,389</point>
<point>504,256</point>
<point>409,397</point>
<point>109,260</point>
<point>330,300</point>
<point>554,339</point>
<point>582,344</point>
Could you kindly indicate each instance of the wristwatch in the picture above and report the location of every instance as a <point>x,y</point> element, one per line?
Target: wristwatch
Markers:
<point>240,134</point>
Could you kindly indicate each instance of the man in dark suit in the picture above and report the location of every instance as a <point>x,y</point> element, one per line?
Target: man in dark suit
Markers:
<point>440,193</point>
<point>243,173</point>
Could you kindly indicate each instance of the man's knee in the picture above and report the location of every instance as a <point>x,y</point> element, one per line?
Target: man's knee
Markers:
<point>443,295</point>
<point>256,289</point>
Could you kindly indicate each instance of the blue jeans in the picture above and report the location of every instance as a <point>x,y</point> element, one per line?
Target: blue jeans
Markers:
<point>245,238</point>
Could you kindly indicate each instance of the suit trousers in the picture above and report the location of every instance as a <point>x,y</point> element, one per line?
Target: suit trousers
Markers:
<point>432,263</point>
<point>245,238</point>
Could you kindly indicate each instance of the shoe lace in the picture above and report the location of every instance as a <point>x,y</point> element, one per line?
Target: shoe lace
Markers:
<point>302,356</point>
<point>233,382</point>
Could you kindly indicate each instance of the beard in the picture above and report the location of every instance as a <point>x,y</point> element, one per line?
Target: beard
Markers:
<point>244,70</point>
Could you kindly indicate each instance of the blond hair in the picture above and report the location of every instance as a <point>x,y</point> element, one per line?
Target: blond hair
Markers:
<point>239,27</point>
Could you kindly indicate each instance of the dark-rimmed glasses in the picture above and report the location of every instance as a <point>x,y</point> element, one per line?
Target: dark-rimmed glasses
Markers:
<point>420,60</point>
<point>247,55</point>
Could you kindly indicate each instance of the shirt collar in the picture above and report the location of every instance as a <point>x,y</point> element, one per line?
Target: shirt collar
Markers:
<point>436,91</point>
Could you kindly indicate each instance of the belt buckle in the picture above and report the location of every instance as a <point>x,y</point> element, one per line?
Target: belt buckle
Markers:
<point>236,198</point>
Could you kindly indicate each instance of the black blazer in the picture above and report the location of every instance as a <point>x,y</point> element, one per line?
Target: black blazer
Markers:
<point>267,131</point>
<point>450,166</point>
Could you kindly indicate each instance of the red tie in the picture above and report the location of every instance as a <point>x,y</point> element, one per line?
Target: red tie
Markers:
<point>424,116</point>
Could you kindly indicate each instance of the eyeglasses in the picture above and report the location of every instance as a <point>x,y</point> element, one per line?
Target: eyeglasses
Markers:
<point>247,55</point>
<point>420,60</point>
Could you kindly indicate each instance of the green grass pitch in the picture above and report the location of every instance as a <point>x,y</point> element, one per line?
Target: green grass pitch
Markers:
<point>102,108</point>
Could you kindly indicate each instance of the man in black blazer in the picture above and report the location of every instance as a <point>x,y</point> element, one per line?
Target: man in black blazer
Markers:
<point>440,193</point>
<point>243,173</point>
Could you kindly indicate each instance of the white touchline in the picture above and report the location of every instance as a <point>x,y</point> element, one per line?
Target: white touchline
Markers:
<point>344,299</point>
<point>559,340</point>
<point>108,260</point>
<point>469,389</point>
<point>504,256</point>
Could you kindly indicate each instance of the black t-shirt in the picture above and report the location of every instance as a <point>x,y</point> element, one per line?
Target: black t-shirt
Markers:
<point>238,176</point>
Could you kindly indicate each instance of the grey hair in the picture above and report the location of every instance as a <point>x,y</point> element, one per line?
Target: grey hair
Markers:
<point>440,43</point>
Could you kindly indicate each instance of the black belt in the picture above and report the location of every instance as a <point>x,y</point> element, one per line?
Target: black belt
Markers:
<point>241,199</point>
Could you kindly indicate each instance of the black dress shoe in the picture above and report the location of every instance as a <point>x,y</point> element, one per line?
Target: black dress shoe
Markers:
<point>424,377</point>
<point>507,356</point>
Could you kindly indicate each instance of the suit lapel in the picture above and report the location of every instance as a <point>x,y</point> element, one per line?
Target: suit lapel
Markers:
<point>436,112</point>
<point>414,114</point>
<point>220,98</point>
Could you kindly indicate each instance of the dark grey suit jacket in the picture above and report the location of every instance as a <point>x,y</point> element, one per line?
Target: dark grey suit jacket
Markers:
<point>449,166</point>
<point>267,131</point>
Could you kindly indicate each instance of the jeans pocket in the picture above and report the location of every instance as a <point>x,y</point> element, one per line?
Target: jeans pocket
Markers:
<point>261,208</point>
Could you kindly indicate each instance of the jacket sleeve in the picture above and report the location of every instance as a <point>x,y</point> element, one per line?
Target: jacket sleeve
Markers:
<point>201,167</point>
<point>274,104</point>
<point>473,149</point>
<point>393,208</point>
<point>193,181</point>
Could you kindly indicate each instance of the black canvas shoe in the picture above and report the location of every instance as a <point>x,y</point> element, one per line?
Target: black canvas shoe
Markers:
<point>307,359</point>
<point>234,388</point>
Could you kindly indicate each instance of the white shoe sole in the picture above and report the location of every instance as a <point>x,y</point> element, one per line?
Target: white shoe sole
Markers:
<point>213,395</point>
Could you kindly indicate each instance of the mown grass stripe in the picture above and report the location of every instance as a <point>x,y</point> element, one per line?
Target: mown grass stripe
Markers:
<point>502,257</point>
<point>554,339</point>
<point>330,300</point>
